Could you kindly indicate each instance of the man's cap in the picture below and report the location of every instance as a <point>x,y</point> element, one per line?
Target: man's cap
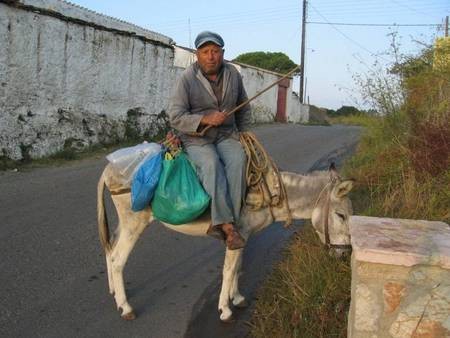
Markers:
<point>207,36</point>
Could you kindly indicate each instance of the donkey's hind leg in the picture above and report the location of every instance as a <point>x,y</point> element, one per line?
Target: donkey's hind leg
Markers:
<point>110,276</point>
<point>131,225</point>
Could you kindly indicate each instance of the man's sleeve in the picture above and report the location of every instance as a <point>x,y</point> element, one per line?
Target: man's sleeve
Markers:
<point>179,113</point>
<point>243,115</point>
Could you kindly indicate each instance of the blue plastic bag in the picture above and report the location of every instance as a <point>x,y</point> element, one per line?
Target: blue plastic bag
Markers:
<point>145,181</point>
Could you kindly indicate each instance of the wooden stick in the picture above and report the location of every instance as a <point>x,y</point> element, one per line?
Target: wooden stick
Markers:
<point>243,104</point>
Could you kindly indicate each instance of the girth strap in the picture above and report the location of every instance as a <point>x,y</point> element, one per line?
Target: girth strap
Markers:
<point>120,191</point>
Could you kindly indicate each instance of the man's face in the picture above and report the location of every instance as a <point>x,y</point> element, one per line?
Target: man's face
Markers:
<point>210,58</point>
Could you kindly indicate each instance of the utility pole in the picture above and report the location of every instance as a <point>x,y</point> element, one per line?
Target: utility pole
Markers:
<point>306,86</point>
<point>302,59</point>
<point>446,27</point>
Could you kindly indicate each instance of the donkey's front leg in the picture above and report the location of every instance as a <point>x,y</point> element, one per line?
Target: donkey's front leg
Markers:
<point>236,297</point>
<point>231,264</point>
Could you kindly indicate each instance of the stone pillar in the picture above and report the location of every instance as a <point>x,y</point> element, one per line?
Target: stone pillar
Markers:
<point>400,278</point>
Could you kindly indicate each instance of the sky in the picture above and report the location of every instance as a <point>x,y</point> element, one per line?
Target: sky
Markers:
<point>335,53</point>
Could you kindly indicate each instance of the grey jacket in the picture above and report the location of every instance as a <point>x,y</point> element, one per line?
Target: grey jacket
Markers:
<point>193,97</point>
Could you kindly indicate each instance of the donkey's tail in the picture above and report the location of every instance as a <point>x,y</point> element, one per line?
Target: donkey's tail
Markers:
<point>102,218</point>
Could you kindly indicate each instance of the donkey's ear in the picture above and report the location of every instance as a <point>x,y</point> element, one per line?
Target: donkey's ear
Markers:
<point>334,175</point>
<point>343,188</point>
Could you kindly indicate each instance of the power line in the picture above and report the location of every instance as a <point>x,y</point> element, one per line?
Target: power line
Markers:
<point>374,24</point>
<point>226,16</point>
<point>346,36</point>
<point>230,21</point>
<point>287,13</point>
<point>376,6</point>
<point>410,8</point>
<point>388,9</point>
<point>376,3</point>
<point>233,22</point>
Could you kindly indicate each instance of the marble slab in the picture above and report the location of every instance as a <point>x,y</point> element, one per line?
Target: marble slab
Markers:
<point>400,241</point>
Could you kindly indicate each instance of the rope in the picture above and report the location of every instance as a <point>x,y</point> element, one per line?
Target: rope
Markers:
<point>258,168</point>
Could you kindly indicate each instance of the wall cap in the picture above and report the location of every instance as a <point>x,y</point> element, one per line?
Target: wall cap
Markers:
<point>403,242</point>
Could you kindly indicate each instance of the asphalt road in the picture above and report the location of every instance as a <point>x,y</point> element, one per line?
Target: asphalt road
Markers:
<point>52,269</point>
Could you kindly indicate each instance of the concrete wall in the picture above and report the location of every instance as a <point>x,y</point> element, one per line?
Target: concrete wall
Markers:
<point>296,112</point>
<point>77,78</point>
<point>70,78</point>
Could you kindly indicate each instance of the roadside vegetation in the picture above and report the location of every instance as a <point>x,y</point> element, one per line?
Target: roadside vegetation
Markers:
<point>60,158</point>
<point>307,295</point>
<point>402,169</point>
<point>70,154</point>
<point>402,164</point>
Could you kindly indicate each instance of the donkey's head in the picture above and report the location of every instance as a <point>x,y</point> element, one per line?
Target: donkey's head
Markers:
<point>331,212</point>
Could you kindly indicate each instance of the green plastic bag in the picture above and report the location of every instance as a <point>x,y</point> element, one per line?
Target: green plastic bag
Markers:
<point>179,197</point>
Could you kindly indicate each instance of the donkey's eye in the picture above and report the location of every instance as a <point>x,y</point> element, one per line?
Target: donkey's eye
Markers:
<point>341,216</point>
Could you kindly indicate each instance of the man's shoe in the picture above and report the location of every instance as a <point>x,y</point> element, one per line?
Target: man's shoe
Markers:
<point>216,232</point>
<point>234,240</point>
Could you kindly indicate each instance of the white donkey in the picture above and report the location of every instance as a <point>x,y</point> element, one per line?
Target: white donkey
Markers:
<point>320,196</point>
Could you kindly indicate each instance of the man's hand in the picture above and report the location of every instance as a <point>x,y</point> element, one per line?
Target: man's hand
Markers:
<point>214,119</point>
<point>173,140</point>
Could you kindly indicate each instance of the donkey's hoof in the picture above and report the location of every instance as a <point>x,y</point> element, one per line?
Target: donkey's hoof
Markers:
<point>241,304</point>
<point>129,316</point>
<point>226,316</point>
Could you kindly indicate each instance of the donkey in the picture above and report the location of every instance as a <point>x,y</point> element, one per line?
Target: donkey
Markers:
<point>320,196</point>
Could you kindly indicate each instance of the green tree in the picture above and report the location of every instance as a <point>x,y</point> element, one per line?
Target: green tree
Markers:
<point>276,62</point>
<point>344,111</point>
<point>347,110</point>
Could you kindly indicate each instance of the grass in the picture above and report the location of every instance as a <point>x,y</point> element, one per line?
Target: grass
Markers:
<point>69,154</point>
<point>355,120</point>
<point>307,295</point>
<point>64,156</point>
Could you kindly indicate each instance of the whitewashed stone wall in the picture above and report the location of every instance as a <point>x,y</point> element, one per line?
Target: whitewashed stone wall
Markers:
<point>70,77</point>
<point>400,278</point>
<point>264,108</point>
<point>296,112</point>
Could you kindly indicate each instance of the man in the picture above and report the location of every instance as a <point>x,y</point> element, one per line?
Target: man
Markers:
<point>203,94</point>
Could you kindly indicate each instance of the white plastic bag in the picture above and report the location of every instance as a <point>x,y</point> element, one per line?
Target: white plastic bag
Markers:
<point>128,160</point>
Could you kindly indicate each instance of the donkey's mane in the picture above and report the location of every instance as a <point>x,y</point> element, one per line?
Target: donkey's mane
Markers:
<point>315,173</point>
<point>325,173</point>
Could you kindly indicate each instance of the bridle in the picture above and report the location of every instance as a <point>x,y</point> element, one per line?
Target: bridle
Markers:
<point>326,225</point>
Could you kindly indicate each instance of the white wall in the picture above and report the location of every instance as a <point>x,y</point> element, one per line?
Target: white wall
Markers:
<point>296,112</point>
<point>264,107</point>
<point>184,57</point>
<point>70,78</point>
<point>77,81</point>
